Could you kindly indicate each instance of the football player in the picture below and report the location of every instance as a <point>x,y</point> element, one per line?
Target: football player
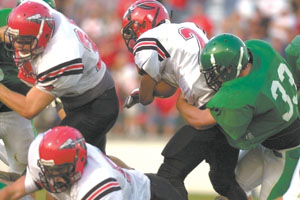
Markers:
<point>59,60</point>
<point>16,131</point>
<point>167,56</point>
<point>69,168</point>
<point>292,53</point>
<point>256,107</point>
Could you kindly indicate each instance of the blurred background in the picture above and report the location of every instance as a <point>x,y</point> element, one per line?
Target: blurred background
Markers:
<point>275,21</point>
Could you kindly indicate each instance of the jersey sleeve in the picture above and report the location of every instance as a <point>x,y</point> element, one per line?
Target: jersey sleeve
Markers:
<point>61,69</point>
<point>234,122</point>
<point>58,79</point>
<point>108,189</point>
<point>233,109</point>
<point>292,52</point>
<point>150,55</point>
<point>32,172</point>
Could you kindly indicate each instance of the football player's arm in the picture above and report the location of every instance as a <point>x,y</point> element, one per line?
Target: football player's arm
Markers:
<point>27,106</point>
<point>164,90</point>
<point>2,29</point>
<point>14,191</point>
<point>147,88</point>
<point>119,162</point>
<point>199,119</point>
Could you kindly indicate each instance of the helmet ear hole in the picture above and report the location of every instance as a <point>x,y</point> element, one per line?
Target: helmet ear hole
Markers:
<point>143,25</point>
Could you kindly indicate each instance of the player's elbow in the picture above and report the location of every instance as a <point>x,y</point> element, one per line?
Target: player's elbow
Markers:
<point>199,125</point>
<point>29,114</point>
<point>203,127</point>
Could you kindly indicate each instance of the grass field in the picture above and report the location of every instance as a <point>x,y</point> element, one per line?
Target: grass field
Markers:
<point>201,197</point>
<point>41,196</point>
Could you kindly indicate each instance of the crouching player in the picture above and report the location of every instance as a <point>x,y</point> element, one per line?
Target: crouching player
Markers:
<point>69,168</point>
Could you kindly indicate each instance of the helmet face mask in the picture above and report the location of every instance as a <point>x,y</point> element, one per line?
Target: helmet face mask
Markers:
<point>212,78</point>
<point>63,156</point>
<point>24,48</point>
<point>222,59</point>
<point>129,35</point>
<point>140,17</point>
<point>57,178</point>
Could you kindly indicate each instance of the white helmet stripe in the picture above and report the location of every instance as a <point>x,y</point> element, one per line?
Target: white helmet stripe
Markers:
<point>212,60</point>
<point>41,29</point>
<point>239,67</point>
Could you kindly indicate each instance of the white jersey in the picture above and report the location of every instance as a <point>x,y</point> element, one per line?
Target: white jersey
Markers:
<point>171,52</point>
<point>70,64</point>
<point>102,178</point>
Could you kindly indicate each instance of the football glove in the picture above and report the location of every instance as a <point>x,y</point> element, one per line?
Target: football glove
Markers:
<point>132,99</point>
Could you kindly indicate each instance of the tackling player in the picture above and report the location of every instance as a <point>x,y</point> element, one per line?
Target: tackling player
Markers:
<point>16,131</point>
<point>59,60</point>
<point>255,104</point>
<point>292,53</point>
<point>167,56</point>
<point>69,168</point>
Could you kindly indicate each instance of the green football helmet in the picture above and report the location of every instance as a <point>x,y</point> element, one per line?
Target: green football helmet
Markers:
<point>49,2</point>
<point>222,59</point>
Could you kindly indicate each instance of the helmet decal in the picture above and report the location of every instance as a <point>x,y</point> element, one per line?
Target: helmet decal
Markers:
<point>69,144</point>
<point>37,18</point>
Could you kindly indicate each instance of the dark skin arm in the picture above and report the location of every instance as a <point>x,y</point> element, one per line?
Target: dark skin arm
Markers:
<point>149,89</point>
<point>2,29</point>
<point>199,119</point>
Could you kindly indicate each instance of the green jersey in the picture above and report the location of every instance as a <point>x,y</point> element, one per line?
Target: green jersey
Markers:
<point>292,52</point>
<point>8,69</point>
<point>9,75</point>
<point>3,16</point>
<point>252,108</point>
<point>2,185</point>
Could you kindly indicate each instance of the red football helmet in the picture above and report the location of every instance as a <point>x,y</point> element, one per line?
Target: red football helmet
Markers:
<point>30,26</point>
<point>63,156</point>
<point>140,17</point>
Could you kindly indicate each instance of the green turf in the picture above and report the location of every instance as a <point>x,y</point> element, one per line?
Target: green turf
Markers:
<point>201,197</point>
<point>40,195</point>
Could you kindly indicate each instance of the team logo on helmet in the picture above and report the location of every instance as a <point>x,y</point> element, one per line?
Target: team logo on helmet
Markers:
<point>70,144</point>
<point>37,18</point>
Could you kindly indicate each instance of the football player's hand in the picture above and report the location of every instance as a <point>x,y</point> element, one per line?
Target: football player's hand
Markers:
<point>132,99</point>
